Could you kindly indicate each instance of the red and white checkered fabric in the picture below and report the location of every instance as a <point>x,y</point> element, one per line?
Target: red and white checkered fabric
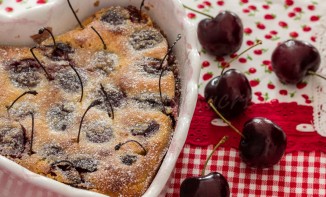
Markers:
<point>297,174</point>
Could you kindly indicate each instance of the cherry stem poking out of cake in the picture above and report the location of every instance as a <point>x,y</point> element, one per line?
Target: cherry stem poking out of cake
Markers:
<point>73,11</point>
<point>210,103</point>
<point>32,135</point>
<point>49,77</point>
<point>202,13</point>
<point>163,69</point>
<point>107,100</point>
<point>41,31</point>
<point>141,6</point>
<point>32,92</point>
<point>222,141</point>
<point>118,146</point>
<point>62,161</point>
<point>99,35</point>
<point>80,81</point>
<point>258,42</point>
<point>93,104</point>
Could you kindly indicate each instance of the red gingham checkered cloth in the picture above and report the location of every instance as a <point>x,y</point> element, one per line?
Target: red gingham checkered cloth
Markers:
<point>297,174</point>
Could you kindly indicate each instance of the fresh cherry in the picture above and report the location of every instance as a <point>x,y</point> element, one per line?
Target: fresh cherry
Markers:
<point>231,93</point>
<point>263,143</point>
<point>292,60</point>
<point>221,35</point>
<point>210,185</point>
<point>210,88</point>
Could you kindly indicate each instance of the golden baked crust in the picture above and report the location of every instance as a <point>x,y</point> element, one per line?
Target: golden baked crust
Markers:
<point>129,72</point>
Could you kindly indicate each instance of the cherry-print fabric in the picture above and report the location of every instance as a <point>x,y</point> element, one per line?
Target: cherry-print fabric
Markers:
<point>301,171</point>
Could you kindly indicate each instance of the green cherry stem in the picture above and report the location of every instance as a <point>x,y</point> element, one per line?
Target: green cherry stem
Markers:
<point>316,74</point>
<point>202,13</point>
<point>258,42</point>
<point>222,141</point>
<point>210,102</point>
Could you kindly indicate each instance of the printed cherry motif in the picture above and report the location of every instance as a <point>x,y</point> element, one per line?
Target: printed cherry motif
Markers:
<point>283,24</point>
<point>207,76</point>
<point>271,86</point>
<point>244,1</point>
<point>266,7</point>
<point>283,92</point>
<point>9,9</point>
<point>191,15</point>
<point>254,82</point>
<point>250,43</point>
<point>242,60</point>
<point>306,28</point>
<point>220,3</point>
<point>247,30</point>
<point>260,25</point>
<point>314,18</point>
<point>210,185</point>
<point>294,34</point>
<point>289,3</point>
<point>252,70</point>
<point>269,16</point>
<point>311,7</point>
<point>41,1</point>
<point>205,64</point>
<point>301,85</point>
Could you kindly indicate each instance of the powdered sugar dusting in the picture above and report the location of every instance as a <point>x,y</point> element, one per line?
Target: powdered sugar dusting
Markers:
<point>123,81</point>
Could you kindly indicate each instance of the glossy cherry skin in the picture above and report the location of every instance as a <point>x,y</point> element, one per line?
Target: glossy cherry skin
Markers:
<point>211,185</point>
<point>292,59</point>
<point>232,93</point>
<point>221,35</point>
<point>210,88</point>
<point>263,144</point>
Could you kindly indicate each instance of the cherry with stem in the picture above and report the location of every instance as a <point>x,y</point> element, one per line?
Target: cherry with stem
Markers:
<point>210,185</point>
<point>262,143</point>
<point>118,146</point>
<point>32,135</point>
<point>93,104</point>
<point>32,92</point>
<point>73,11</point>
<point>107,101</point>
<point>80,81</point>
<point>163,69</point>
<point>49,77</point>
<point>99,35</point>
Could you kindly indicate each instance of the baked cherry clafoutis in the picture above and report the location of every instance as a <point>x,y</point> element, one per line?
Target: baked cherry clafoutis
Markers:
<point>93,108</point>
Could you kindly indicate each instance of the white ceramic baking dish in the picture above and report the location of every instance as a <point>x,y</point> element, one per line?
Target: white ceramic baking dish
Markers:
<point>16,29</point>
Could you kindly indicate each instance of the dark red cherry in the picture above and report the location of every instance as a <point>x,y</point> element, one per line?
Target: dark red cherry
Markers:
<point>263,144</point>
<point>232,93</point>
<point>292,60</point>
<point>221,35</point>
<point>211,185</point>
<point>210,88</point>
